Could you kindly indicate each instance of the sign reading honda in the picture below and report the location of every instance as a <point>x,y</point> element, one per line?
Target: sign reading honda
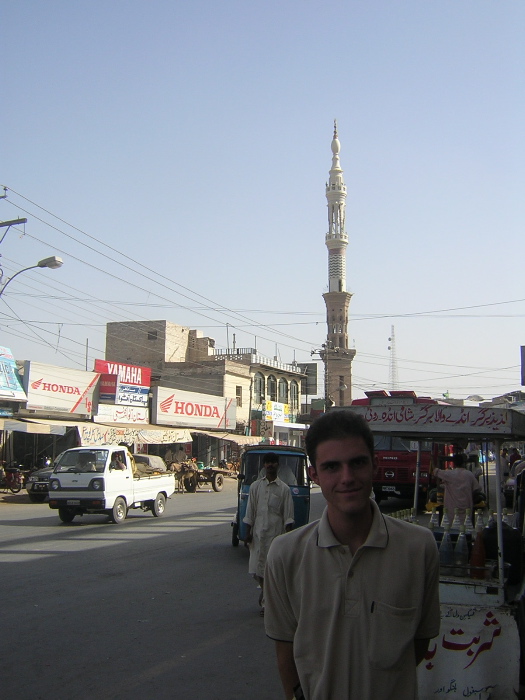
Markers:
<point>51,388</point>
<point>175,407</point>
<point>124,385</point>
<point>10,381</point>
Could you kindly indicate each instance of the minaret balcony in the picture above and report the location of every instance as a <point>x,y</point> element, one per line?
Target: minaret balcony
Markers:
<point>337,238</point>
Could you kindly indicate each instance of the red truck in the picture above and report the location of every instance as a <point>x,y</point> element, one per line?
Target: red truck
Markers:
<point>397,456</point>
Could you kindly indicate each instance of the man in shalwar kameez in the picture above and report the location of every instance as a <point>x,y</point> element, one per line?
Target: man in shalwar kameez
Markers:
<point>269,513</point>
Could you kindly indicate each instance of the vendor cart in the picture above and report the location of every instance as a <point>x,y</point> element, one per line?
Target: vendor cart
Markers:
<point>479,651</point>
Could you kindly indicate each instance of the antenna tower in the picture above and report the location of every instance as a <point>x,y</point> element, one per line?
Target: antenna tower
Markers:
<point>392,369</point>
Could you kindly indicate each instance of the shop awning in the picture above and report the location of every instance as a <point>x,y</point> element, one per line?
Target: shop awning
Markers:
<point>110,434</point>
<point>105,433</point>
<point>40,428</point>
<point>232,437</point>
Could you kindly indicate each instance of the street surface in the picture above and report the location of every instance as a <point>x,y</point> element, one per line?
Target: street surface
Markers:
<point>152,608</point>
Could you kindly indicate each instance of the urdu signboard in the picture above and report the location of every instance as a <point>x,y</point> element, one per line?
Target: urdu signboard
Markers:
<point>174,407</point>
<point>61,389</point>
<point>122,384</point>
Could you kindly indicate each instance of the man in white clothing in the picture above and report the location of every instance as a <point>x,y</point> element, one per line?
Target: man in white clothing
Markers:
<point>269,513</point>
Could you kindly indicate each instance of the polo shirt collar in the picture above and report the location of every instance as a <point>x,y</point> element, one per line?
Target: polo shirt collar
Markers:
<point>377,537</point>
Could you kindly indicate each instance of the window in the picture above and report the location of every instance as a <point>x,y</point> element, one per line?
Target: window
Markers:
<point>238,395</point>
<point>152,335</point>
<point>294,395</point>
<point>258,388</point>
<point>272,388</point>
<point>283,391</point>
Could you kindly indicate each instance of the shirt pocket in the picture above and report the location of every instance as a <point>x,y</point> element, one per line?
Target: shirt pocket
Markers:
<point>392,631</point>
<point>274,503</point>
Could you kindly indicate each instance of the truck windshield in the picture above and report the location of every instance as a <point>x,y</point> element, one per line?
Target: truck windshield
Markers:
<point>291,468</point>
<point>384,443</point>
<point>81,461</point>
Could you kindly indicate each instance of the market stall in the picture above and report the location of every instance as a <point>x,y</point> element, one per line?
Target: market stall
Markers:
<point>478,653</point>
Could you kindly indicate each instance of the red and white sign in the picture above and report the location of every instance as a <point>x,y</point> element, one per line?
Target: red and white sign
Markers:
<point>136,415</point>
<point>175,407</point>
<point>51,388</point>
<point>475,655</point>
<point>122,384</point>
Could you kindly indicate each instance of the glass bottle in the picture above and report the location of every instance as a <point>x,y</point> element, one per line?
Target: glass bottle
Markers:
<point>469,527</point>
<point>446,553</point>
<point>445,520</point>
<point>461,553</point>
<point>456,523</point>
<point>434,518</point>
<point>477,556</point>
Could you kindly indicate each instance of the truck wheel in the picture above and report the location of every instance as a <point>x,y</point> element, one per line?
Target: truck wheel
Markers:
<point>190,483</point>
<point>37,497</point>
<point>217,482</point>
<point>119,511</point>
<point>235,535</point>
<point>159,505</point>
<point>66,515</point>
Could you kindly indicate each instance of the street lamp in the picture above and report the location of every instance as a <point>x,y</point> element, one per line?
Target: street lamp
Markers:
<point>53,263</point>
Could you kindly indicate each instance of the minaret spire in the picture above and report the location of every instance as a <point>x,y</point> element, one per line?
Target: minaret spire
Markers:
<point>337,356</point>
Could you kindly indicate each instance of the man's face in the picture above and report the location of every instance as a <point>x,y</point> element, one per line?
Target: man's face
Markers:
<point>271,470</point>
<point>345,471</point>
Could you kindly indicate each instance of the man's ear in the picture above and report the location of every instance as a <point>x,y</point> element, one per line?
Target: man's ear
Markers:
<point>313,474</point>
<point>375,462</point>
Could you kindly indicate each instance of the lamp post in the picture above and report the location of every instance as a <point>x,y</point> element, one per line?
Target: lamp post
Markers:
<point>53,263</point>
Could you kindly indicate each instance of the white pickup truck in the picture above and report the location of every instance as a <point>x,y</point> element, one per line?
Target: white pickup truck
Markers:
<point>105,480</point>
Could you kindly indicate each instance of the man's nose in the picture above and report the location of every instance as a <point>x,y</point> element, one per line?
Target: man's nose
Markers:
<point>347,473</point>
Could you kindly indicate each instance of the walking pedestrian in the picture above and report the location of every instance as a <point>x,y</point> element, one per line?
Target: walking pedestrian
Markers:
<point>269,513</point>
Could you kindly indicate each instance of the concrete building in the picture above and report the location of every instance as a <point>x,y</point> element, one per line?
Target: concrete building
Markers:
<point>184,359</point>
<point>335,353</point>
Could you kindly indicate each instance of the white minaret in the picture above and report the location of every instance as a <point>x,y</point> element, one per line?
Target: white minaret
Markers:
<point>336,238</point>
<point>336,354</point>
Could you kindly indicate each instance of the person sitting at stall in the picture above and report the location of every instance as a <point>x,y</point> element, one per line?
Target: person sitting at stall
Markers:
<point>461,486</point>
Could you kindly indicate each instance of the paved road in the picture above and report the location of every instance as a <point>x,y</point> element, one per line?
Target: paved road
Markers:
<point>151,608</point>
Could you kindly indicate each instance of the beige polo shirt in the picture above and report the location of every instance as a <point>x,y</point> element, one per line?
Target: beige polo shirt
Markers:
<point>352,620</point>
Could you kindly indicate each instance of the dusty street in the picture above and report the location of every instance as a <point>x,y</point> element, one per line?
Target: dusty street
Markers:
<point>158,608</point>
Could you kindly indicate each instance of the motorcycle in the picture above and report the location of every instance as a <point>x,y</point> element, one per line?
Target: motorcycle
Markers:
<point>11,479</point>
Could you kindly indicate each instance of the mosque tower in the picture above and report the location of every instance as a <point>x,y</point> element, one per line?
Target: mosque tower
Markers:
<point>336,354</point>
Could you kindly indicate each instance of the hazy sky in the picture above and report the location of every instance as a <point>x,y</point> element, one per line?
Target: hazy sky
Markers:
<point>175,154</point>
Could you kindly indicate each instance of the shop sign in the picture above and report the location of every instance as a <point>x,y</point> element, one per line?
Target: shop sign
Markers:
<point>473,656</point>
<point>137,415</point>
<point>122,384</point>
<point>11,388</point>
<point>61,389</point>
<point>174,407</point>
<point>276,411</point>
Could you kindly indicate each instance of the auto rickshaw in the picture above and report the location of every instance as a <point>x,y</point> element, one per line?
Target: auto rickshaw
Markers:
<point>292,470</point>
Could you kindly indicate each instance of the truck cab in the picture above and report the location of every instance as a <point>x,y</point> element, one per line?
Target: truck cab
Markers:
<point>105,479</point>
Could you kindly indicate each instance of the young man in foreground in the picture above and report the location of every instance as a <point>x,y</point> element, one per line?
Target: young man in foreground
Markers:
<point>352,599</point>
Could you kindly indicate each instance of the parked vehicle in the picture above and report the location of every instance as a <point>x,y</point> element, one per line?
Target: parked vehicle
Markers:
<point>397,456</point>
<point>37,483</point>
<point>11,479</point>
<point>105,480</point>
<point>292,470</point>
